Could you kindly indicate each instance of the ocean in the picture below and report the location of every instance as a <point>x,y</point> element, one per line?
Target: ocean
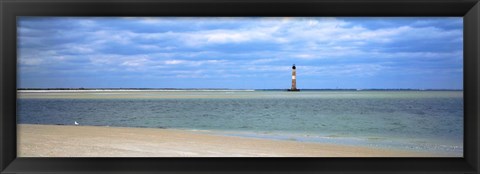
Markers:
<point>407,120</point>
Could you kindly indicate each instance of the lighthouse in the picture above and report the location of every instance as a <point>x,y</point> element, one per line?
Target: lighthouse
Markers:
<point>294,79</point>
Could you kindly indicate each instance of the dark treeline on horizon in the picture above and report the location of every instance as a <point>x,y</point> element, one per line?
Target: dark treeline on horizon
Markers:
<point>323,89</point>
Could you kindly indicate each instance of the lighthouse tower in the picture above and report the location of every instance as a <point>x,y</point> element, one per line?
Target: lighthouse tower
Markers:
<point>294,79</point>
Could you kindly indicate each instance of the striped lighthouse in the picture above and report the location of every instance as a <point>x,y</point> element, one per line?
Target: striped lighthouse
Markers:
<point>294,79</point>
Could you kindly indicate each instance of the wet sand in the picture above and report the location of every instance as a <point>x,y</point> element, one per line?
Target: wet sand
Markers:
<point>96,141</point>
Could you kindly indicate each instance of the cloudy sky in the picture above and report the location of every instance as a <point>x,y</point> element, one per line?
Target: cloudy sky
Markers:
<point>240,53</point>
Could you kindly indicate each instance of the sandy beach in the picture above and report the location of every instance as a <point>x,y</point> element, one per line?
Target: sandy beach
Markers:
<point>93,141</point>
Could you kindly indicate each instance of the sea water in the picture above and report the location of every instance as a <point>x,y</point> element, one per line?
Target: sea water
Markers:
<point>408,120</point>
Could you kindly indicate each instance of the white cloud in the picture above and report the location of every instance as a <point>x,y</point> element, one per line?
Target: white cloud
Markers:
<point>306,56</point>
<point>86,23</point>
<point>260,61</point>
<point>105,36</point>
<point>136,62</point>
<point>174,62</point>
<point>229,36</point>
<point>264,68</point>
<point>193,63</point>
<point>342,70</point>
<point>30,61</point>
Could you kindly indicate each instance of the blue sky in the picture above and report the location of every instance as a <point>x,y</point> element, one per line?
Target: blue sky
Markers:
<point>240,53</point>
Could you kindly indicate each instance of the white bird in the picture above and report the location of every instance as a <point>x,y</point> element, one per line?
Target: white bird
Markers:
<point>76,123</point>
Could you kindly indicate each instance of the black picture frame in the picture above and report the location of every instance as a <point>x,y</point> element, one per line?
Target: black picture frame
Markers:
<point>11,9</point>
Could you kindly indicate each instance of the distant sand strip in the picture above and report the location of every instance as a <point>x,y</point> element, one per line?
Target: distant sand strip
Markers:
<point>93,141</point>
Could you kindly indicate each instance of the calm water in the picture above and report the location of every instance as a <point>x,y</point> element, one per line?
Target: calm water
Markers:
<point>413,120</point>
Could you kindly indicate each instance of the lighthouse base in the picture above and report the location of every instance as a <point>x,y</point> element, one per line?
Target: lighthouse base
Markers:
<point>293,90</point>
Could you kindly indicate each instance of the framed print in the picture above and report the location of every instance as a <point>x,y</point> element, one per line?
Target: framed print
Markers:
<point>227,86</point>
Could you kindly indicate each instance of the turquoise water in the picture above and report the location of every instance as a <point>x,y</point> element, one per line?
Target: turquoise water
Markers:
<point>411,120</point>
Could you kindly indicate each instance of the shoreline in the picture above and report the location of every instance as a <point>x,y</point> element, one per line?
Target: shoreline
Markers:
<point>36,140</point>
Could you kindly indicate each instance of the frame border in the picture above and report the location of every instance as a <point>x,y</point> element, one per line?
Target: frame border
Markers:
<point>10,9</point>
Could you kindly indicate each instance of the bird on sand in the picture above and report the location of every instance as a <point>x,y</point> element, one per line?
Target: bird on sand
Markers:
<point>76,124</point>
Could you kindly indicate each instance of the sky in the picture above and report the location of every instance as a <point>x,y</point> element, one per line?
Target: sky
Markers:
<point>240,52</point>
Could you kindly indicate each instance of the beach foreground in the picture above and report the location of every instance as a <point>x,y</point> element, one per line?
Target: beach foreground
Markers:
<point>95,141</point>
